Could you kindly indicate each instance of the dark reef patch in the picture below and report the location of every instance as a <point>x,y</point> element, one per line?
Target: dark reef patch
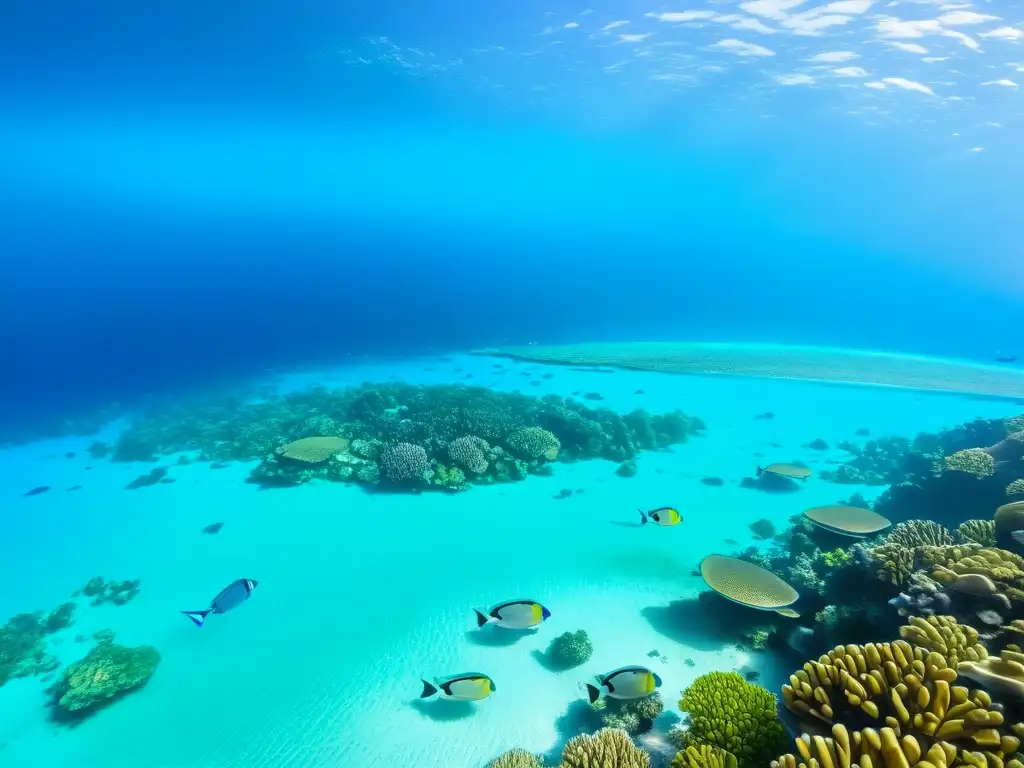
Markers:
<point>152,477</point>
<point>37,490</point>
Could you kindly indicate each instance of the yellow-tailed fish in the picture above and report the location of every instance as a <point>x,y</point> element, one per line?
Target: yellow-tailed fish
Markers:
<point>792,471</point>
<point>662,516</point>
<point>624,683</point>
<point>466,686</point>
<point>514,614</point>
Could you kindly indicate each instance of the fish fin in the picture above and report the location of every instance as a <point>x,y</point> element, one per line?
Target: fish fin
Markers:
<point>198,617</point>
<point>1017,536</point>
<point>760,471</point>
<point>428,690</point>
<point>657,680</point>
<point>593,693</point>
<point>643,517</point>
<point>481,619</point>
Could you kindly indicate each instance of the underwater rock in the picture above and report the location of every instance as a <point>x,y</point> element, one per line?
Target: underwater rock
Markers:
<point>59,618</point>
<point>37,490</point>
<point>152,477</point>
<point>713,481</point>
<point>108,672</point>
<point>626,469</point>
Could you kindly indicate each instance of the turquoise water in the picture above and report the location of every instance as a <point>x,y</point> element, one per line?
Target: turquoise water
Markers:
<point>362,595</point>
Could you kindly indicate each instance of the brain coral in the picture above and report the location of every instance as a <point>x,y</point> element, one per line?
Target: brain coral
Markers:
<point>974,461</point>
<point>108,671</point>
<point>313,450</point>
<point>608,748</point>
<point>404,463</point>
<point>728,712</point>
<point>469,453</point>
<point>533,443</point>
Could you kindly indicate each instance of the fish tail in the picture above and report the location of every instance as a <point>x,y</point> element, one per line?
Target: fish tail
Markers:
<point>593,693</point>
<point>198,617</point>
<point>760,470</point>
<point>481,619</point>
<point>643,517</point>
<point>428,690</point>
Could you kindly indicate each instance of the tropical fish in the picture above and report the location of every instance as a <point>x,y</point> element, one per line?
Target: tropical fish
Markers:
<point>466,686</point>
<point>514,614</point>
<point>792,471</point>
<point>624,683</point>
<point>232,596</point>
<point>662,516</point>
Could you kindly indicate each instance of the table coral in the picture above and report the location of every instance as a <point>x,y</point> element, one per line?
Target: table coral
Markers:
<point>313,450</point>
<point>107,672</point>
<point>726,711</point>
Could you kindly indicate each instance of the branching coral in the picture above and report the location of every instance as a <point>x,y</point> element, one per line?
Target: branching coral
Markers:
<point>533,443</point>
<point>470,453</point>
<point>631,715</point>
<point>405,463</point>
<point>516,758</point>
<point>973,461</point>
<point>608,748</point>
<point>704,756</point>
<point>978,532</point>
<point>728,712</point>
<point>919,533</point>
<point>943,634</point>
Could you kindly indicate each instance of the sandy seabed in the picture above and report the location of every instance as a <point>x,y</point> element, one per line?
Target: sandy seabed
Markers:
<point>363,594</point>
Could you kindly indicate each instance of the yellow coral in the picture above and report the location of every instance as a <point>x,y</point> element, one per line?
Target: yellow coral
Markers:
<point>704,756</point>
<point>978,531</point>
<point>1003,674</point>
<point>943,634</point>
<point>516,758</point>
<point>974,461</point>
<point>608,748</point>
<point>904,687</point>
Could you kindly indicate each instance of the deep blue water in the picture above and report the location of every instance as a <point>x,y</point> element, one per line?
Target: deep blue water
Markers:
<point>195,193</point>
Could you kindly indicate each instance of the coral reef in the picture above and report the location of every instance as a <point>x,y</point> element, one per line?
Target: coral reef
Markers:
<point>570,649</point>
<point>943,634</point>
<point>977,531</point>
<point>106,673</point>
<point>631,715</point>
<point>726,711</point>
<point>22,649</point>
<point>115,592</point>
<point>380,434</point>
<point>1016,488</point>
<point>608,748</point>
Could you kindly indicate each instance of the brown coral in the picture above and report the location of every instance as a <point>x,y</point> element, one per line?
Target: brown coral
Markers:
<point>608,748</point>
<point>313,450</point>
<point>943,634</point>
<point>974,461</point>
<point>470,453</point>
<point>533,443</point>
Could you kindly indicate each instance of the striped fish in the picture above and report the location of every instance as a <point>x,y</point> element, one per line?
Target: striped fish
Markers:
<point>514,614</point>
<point>467,686</point>
<point>662,516</point>
<point>624,683</point>
<point>232,596</point>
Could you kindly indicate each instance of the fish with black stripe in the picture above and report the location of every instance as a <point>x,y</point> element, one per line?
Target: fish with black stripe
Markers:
<point>624,683</point>
<point>232,596</point>
<point>662,516</point>
<point>465,686</point>
<point>514,614</point>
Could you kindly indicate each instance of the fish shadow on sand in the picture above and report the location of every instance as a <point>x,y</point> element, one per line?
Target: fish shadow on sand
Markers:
<point>444,711</point>
<point>494,637</point>
<point>687,621</point>
<point>623,524</point>
<point>770,483</point>
<point>545,660</point>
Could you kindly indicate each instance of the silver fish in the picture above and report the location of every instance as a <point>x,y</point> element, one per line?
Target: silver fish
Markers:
<point>232,596</point>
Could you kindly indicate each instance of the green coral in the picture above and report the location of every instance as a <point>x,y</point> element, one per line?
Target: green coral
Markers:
<point>974,461</point>
<point>516,758</point>
<point>532,443</point>
<point>453,479</point>
<point>107,672</point>
<point>704,756</point>
<point>570,649</point>
<point>22,648</point>
<point>726,711</point>
<point>837,558</point>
